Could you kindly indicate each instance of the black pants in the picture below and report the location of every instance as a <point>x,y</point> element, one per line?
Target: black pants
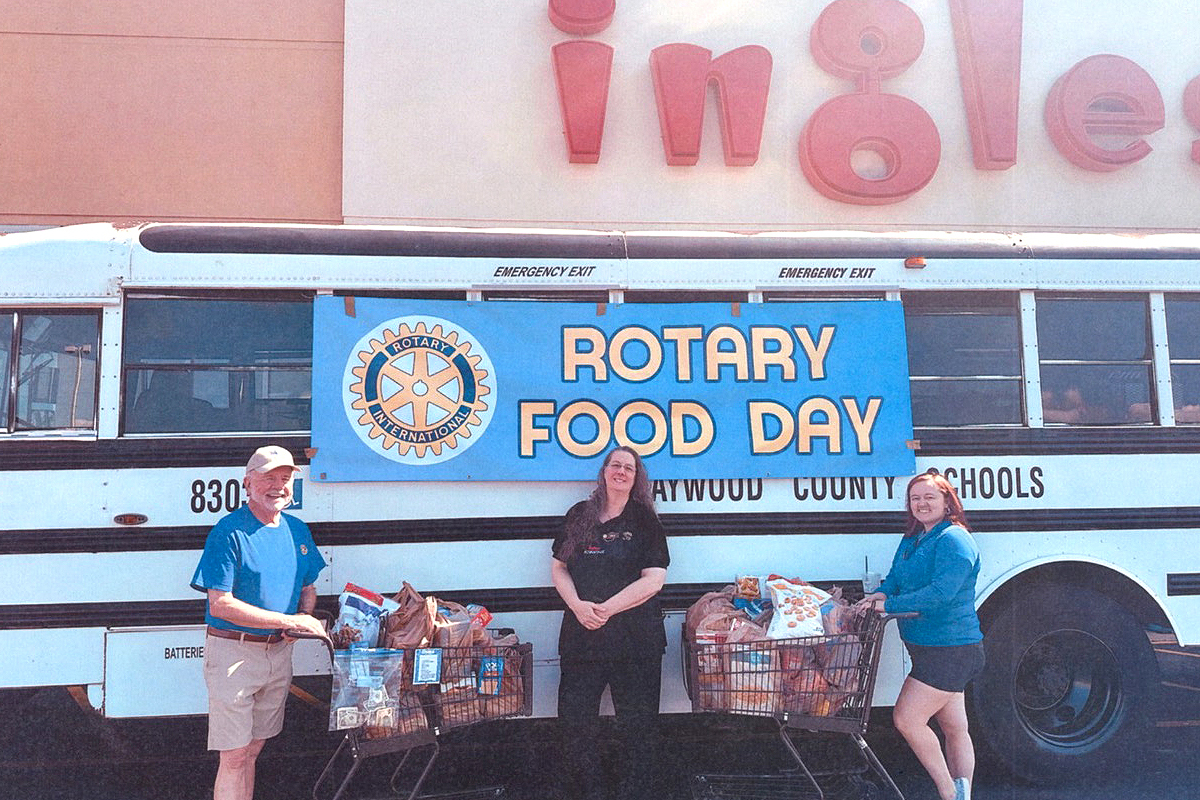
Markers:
<point>634,685</point>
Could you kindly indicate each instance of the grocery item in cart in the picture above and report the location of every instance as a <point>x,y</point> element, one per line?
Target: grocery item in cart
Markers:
<point>840,652</point>
<point>805,689</point>
<point>752,678</point>
<point>458,628</point>
<point>412,623</point>
<point>501,687</point>
<point>720,602</point>
<point>370,692</point>
<point>358,619</point>
<point>797,609</point>
<point>750,587</point>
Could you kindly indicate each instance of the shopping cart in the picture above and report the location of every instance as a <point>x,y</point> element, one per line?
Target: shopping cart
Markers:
<point>399,701</point>
<point>821,684</point>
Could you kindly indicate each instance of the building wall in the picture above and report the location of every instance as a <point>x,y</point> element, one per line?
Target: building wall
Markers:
<point>134,110</point>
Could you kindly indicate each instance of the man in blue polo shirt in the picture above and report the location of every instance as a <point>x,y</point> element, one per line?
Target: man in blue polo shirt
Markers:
<point>258,568</point>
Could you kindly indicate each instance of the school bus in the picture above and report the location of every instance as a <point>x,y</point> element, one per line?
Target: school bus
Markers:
<point>1054,378</point>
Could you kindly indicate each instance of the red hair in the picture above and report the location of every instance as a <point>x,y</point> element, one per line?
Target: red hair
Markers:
<point>954,506</point>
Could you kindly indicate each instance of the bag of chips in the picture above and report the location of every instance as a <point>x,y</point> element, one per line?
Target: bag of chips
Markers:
<point>797,609</point>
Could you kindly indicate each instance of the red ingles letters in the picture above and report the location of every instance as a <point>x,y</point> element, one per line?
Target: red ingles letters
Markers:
<point>867,42</point>
<point>681,76</point>
<point>1103,95</point>
<point>583,70</point>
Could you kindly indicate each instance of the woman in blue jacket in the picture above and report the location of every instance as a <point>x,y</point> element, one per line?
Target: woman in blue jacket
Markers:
<point>933,573</point>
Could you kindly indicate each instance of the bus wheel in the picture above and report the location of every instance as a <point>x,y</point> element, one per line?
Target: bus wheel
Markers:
<point>1067,686</point>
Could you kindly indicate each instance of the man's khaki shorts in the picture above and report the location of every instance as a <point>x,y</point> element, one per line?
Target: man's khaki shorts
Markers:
<point>247,688</point>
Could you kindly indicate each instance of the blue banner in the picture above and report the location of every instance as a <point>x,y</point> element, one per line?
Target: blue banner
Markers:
<point>514,390</point>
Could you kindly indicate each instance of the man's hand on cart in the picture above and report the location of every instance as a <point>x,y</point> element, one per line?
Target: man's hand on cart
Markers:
<point>303,626</point>
<point>872,602</point>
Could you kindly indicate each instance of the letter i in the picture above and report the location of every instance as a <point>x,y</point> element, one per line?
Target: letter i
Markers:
<point>582,69</point>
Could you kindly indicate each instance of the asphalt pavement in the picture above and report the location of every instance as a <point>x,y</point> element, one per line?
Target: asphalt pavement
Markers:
<point>53,750</point>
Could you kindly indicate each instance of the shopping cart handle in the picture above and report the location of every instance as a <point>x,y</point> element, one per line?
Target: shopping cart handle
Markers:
<point>303,633</point>
<point>899,615</point>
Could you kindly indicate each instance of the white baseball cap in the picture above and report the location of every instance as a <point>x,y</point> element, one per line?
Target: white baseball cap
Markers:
<point>268,458</point>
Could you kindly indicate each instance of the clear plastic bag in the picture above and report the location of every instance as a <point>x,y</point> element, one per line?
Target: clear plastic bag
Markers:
<point>371,691</point>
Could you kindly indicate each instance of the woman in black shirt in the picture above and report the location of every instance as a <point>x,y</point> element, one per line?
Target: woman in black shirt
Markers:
<point>609,564</point>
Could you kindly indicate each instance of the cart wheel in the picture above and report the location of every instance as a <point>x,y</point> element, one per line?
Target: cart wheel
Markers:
<point>866,789</point>
<point>1067,684</point>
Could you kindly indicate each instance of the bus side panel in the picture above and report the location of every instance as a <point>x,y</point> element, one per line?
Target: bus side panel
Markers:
<point>52,656</point>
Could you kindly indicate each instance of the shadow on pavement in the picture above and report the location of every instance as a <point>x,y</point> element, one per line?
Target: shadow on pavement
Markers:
<point>50,749</point>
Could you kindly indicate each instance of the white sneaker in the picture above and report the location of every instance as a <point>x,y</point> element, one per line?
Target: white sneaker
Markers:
<point>962,789</point>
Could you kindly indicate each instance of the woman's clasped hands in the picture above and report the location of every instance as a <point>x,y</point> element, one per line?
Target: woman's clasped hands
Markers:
<point>590,615</point>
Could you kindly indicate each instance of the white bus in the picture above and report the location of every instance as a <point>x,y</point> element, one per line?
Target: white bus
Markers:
<point>1055,379</point>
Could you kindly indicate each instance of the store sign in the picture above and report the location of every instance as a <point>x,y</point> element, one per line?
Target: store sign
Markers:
<point>980,114</point>
<point>866,42</point>
<point>440,390</point>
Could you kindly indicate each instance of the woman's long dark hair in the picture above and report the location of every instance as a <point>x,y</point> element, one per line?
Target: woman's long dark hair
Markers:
<point>954,506</point>
<point>583,523</point>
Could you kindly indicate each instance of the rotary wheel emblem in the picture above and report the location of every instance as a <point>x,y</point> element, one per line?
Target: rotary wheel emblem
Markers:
<point>418,389</point>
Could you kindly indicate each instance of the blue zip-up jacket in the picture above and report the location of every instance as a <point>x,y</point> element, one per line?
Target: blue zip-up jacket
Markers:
<point>934,574</point>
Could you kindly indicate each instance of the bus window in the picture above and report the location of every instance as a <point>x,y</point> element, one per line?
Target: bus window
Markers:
<point>6,347</point>
<point>964,358</point>
<point>51,383</point>
<point>1095,359</point>
<point>1183,317</point>
<point>208,365</point>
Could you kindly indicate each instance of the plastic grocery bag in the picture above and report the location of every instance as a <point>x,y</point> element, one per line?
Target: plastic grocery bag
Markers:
<point>359,614</point>
<point>412,623</point>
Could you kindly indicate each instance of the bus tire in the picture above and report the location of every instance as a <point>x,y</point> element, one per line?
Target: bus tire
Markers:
<point>1067,686</point>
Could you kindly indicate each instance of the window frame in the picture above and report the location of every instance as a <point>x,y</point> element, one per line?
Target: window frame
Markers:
<point>985,300</point>
<point>1148,361</point>
<point>11,388</point>
<point>1169,361</point>
<point>252,371</point>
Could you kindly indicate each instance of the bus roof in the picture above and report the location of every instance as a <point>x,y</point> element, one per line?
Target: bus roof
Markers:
<point>94,262</point>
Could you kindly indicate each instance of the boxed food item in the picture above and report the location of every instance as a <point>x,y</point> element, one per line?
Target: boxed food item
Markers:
<point>753,679</point>
<point>501,685</point>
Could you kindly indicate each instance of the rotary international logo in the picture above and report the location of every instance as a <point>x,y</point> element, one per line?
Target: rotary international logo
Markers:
<point>419,390</point>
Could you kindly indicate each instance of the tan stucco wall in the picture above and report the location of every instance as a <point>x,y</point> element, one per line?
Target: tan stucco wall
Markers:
<point>162,109</point>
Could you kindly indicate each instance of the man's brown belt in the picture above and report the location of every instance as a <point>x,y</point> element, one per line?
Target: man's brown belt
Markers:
<point>240,636</point>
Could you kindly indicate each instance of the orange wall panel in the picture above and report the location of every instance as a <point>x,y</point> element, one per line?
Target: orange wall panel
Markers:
<point>134,110</point>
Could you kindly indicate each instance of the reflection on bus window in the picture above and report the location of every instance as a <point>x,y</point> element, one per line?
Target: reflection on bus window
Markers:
<point>217,365</point>
<point>964,358</point>
<point>51,383</point>
<point>1183,345</point>
<point>6,331</point>
<point>1095,360</point>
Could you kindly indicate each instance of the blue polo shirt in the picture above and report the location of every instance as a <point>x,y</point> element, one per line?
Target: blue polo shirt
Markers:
<point>934,574</point>
<point>264,565</point>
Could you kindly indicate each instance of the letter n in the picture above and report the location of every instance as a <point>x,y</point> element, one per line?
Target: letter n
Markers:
<point>681,75</point>
<point>583,69</point>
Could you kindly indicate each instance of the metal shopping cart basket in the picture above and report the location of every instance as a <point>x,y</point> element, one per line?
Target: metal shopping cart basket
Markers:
<point>393,702</point>
<point>821,684</point>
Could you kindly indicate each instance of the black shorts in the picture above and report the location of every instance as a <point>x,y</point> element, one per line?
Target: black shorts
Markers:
<point>947,668</point>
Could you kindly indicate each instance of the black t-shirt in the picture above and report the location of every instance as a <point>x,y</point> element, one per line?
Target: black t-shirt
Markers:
<point>610,560</point>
